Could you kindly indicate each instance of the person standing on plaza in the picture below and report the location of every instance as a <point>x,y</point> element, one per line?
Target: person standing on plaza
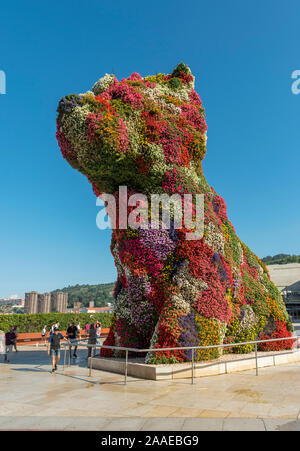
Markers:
<point>53,326</point>
<point>92,338</point>
<point>72,332</point>
<point>43,333</point>
<point>54,347</point>
<point>16,338</point>
<point>78,330</point>
<point>10,337</point>
<point>98,332</point>
<point>86,328</point>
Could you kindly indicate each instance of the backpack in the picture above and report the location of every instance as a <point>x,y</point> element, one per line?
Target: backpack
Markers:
<point>55,341</point>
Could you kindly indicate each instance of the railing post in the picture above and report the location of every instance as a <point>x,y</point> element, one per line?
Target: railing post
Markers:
<point>256,362</point>
<point>193,366</point>
<point>64,358</point>
<point>126,367</point>
<point>91,361</point>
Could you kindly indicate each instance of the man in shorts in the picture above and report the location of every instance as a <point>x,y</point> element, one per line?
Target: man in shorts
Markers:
<point>54,347</point>
<point>72,332</point>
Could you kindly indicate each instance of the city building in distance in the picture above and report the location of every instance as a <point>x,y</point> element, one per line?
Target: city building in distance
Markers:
<point>287,279</point>
<point>46,302</point>
<point>78,308</point>
<point>107,309</point>
<point>12,302</point>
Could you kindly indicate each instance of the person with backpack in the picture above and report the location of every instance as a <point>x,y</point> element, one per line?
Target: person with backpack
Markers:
<point>10,338</point>
<point>72,333</point>
<point>54,347</point>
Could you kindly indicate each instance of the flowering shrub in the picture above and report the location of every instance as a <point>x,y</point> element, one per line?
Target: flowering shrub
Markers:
<point>149,133</point>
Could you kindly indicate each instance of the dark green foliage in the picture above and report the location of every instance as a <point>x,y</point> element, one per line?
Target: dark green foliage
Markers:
<point>175,83</point>
<point>122,108</point>
<point>101,294</point>
<point>35,322</point>
<point>181,67</point>
<point>281,259</point>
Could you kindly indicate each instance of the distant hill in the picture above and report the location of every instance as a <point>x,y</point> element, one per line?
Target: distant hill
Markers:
<point>101,294</point>
<point>281,259</point>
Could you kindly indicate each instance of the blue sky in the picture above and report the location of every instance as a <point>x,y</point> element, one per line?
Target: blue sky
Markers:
<point>242,54</point>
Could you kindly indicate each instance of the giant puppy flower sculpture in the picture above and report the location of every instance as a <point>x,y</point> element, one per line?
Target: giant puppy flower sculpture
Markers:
<point>149,134</point>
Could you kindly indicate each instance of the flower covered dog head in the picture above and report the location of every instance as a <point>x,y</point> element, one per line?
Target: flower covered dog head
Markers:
<point>146,133</point>
<point>149,135</point>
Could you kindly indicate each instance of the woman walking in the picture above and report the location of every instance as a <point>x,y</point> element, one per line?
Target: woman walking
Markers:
<point>43,333</point>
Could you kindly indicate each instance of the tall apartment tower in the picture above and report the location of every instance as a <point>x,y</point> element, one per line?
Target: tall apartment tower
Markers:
<point>65,305</point>
<point>59,301</point>
<point>44,303</point>
<point>31,302</point>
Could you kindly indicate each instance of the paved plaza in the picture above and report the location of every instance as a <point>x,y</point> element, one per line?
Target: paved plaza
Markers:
<point>33,398</point>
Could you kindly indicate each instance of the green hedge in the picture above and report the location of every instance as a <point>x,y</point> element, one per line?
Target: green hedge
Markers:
<point>34,322</point>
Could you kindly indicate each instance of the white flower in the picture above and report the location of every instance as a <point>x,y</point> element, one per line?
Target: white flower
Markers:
<point>122,306</point>
<point>181,303</point>
<point>214,238</point>
<point>190,288</point>
<point>249,318</point>
<point>102,84</point>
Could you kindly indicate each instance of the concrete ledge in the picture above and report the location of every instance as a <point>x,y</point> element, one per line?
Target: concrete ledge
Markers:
<point>137,368</point>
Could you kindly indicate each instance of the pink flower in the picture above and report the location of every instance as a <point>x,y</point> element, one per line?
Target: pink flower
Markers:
<point>193,117</point>
<point>127,93</point>
<point>123,136</point>
<point>65,146</point>
<point>134,77</point>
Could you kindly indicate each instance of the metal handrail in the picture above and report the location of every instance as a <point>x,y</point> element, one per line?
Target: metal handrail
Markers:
<point>193,348</point>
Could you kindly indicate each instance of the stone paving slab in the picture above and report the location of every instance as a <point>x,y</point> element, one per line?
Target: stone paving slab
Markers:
<point>243,424</point>
<point>32,398</point>
<point>146,425</point>
<point>203,424</point>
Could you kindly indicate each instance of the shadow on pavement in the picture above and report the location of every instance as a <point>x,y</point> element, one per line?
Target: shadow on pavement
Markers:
<point>290,426</point>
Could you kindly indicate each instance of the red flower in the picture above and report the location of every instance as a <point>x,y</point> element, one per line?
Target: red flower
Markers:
<point>280,332</point>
